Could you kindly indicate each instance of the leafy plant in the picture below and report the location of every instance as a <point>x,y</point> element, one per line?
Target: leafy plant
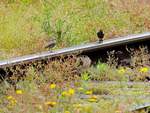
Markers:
<point>85,76</point>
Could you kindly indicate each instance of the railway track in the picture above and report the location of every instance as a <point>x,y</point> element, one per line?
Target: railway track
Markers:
<point>94,51</point>
<point>141,107</point>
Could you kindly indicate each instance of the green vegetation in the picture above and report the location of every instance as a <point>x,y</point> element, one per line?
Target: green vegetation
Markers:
<point>26,25</point>
<point>61,88</point>
<point>64,86</point>
<point>38,94</point>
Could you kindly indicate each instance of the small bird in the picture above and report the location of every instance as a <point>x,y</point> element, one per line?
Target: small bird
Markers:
<point>100,35</point>
<point>51,43</point>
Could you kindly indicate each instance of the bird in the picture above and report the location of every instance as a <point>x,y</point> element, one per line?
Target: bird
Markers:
<point>51,43</point>
<point>100,35</point>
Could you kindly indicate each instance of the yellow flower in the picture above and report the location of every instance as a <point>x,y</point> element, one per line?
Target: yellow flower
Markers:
<point>19,92</point>
<point>143,69</point>
<point>13,102</point>
<point>121,71</point>
<point>77,105</point>
<point>92,100</point>
<point>118,111</point>
<point>50,103</point>
<point>52,86</point>
<point>67,112</point>
<point>80,89</point>
<point>68,93</point>
<point>71,91</point>
<point>9,97</point>
<point>89,92</point>
<point>65,93</point>
<point>94,97</point>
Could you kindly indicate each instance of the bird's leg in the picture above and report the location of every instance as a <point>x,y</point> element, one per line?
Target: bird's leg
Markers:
<point>100,40</point>
<point>51,51</point>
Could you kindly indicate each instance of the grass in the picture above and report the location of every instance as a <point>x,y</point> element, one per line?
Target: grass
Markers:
<point>62,87</point>
<point>26,25</point>
<point>35,95</point>
<point>59,89</point>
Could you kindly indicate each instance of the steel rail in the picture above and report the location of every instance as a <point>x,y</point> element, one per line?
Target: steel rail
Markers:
<point>126,83</point>
<point>143,106</point>
<point>81,48</point>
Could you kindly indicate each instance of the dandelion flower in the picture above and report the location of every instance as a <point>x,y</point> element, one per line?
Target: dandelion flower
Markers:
<point>118,111</point>
<point>65,93</point>
<point>92,100</point>
<point>143,70</point>
<point>68,93</point>
<point>71,91</point>
<point>19,92</point>
<point>9,97</point>
<point>67,112</point>
<point>13,102</point>
<point>52,86</point>
<point>50,103</point>
<point>94,97</point>
<point>89,92</point>
<point>121,71</point>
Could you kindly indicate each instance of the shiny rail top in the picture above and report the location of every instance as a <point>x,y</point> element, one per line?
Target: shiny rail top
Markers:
<point>81,48</point>
<point>140,107</point>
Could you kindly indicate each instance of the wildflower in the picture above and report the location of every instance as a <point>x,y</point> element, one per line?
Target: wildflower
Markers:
<point>94,97</point>
<point>67,112</point>
<point>12,101</point>
<point>77,105</point>
<point>68,93</point>
<point>143,69</point>
<point>118,111</point>
<point>52,86</point>
<point>121,71</point>
<point>9,97</point>
<point>65,93</point>
<point>92,100</point>
<point>19,92</point>
<point>71,91</point>
<point>80,89</point>
<point>89,92</point>
<point>50,103</point>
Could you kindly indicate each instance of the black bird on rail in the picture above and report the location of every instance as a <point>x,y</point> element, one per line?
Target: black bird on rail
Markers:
<point>51,43</point>
<point>100,35</point>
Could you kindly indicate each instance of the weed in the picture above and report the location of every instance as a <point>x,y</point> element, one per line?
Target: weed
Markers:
<point>112,60</point>
<point>140,57</point>
<point>85,76</point>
